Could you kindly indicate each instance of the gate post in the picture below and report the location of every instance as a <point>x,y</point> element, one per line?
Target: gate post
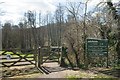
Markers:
<point>39,57</point>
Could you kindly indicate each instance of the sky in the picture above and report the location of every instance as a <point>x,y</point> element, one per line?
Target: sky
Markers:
<point>15,9</point>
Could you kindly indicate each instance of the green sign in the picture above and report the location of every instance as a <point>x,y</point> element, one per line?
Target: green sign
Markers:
<point>97,46</point>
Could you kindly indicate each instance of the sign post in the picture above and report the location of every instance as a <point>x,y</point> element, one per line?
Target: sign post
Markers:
<point>97,47</point>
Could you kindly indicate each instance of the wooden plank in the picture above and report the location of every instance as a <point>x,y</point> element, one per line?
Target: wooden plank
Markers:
<point>4,52</point>
<point>50,61</point>
<point>17,54</point>
<point>15,61</point>
<point>50,58</point>
<point>17,65</point>
<point>29,61</point>
<point>47,57</point>
<point>16,57</point>
<point>23,64</point>
<point>18,49</point>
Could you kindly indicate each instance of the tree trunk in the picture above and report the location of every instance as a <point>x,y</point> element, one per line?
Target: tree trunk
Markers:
<point>118,51</point>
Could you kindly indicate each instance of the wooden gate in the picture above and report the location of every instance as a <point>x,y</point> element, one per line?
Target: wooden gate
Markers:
<point>16,57</point>
<point>49,54</point>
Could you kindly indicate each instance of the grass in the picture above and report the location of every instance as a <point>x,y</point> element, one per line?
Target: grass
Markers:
<point>72,77</point>
<point>102,76</point>
<point>91,75</point>
<point>104,79</point>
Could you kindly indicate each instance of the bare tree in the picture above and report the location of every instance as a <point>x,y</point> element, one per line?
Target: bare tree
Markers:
<point>75,37</point>
<point>59,14</point>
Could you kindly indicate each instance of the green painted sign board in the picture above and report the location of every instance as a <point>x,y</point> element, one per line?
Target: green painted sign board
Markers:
<point>97,46</point>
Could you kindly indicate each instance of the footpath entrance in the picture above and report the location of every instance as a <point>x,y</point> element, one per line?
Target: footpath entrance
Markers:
<point>47,55</point>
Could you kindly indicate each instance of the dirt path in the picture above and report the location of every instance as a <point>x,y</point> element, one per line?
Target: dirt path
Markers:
<point>58,72</point>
